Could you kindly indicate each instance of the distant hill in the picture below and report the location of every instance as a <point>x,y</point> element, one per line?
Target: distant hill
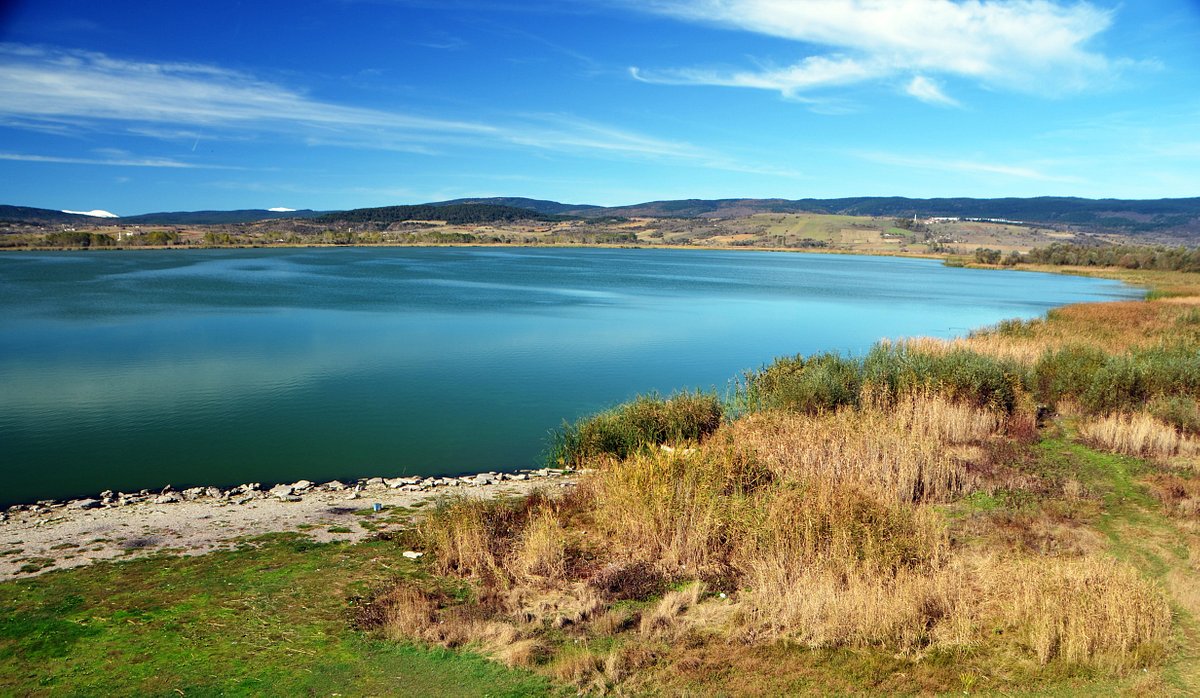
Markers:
<point>1161,219</point>
<point>215,217</point>
<point>540,205</point>
<point>28,214</point>
<point>456,214</point>
<point>1117,215</point>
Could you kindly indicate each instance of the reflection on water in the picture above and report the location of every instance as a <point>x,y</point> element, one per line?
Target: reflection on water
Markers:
<point>139,369</point>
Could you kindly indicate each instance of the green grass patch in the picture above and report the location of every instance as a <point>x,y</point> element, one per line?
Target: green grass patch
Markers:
<point>271,618</point>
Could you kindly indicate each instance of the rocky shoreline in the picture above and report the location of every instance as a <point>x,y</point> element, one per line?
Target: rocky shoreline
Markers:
<point>54,534</point>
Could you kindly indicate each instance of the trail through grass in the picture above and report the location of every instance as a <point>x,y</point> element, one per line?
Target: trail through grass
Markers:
<point>1139,533</point>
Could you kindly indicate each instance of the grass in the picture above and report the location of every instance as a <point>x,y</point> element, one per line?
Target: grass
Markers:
<point>268,619</point>
<point>807,559</point>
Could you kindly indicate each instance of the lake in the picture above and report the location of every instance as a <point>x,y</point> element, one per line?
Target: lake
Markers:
<point>124,370</point>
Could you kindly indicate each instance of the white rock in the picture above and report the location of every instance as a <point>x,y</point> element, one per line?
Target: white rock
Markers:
<point>85,504</point>
<point>301,486</point>
<point>412,555</point>
<point>168,498</point>
<point>281,491</point>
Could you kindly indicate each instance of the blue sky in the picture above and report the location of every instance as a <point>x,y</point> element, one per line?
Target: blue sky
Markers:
<point>171,105</point>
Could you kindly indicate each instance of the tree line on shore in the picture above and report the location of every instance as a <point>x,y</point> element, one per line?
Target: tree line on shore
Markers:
<point>1157,258</point>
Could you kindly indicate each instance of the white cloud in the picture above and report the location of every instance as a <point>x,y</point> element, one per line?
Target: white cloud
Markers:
<point>114,162</point>
<point>96,213</point>
<point>281,209</point>
<point>48,84</point>
<point>929,91</point>
<point>62,89</point>
<point>810,73</point>
<point>1035,46</point>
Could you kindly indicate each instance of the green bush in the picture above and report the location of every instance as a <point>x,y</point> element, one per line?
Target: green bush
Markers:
<point>960,375</point>
<point>1115,385</point>
<point>1102,382</point>
<point>1181,412</point>
<point>828,381</point>
<point>1066,373</point>
<point>625,429</point>
<point>820,382</point>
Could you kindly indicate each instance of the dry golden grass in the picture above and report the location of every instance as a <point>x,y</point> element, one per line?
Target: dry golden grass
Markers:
<point>542,551</point>
<point>1180,495</point>
<point>1090,610</point>
<point>839,530</point>
<point>578,668</point>
<point>1138,434</point>
<point>670,509</point>
<point>458,530</point>
<point>662,619</point>
<point>900,452</point>
<point>523,653</point>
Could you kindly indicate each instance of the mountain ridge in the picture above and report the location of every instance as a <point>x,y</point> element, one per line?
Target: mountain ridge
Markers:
<point>1181,215</point>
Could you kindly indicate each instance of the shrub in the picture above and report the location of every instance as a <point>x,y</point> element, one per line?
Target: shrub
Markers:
<point>820,382</point>
<point>958,374</point>
<point>1181,412</point>
<point>1066,374</point>
<point>628,428</point>
<point>1116,384</point>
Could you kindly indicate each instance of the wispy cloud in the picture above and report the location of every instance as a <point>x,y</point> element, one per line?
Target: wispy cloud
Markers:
<point>929,91</point>
<point>1034,46</point>
<point>115,162</point>
<point>48,84</point>
<point>64,89</point>
<point>951,164</point>
<point>442,41</point>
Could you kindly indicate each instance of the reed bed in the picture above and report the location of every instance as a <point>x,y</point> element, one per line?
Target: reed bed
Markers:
<point>899,452</point>
<point>1138,434</point>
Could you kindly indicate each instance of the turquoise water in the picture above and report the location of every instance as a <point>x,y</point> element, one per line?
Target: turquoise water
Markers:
<point>123,370</point>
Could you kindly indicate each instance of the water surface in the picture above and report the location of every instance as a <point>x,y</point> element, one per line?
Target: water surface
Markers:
<point>123,370</point>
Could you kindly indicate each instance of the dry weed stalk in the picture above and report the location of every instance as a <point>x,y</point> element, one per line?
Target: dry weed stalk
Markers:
<point>1138,434</point>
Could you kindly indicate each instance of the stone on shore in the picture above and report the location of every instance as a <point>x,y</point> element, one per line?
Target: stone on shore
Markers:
<point>281,491</point>
<point>85,504</point>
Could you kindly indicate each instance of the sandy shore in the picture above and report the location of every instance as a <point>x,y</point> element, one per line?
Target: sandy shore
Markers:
<point>56,535</point>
